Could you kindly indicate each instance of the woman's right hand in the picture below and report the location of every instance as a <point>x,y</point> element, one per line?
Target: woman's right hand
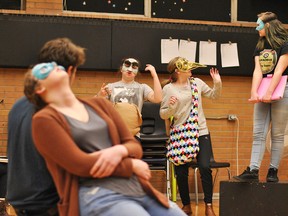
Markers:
<point>107,160</point>
<point>141,169</point>
<point>173,101</point>
<point>104,91</point>
<point>254,98</point>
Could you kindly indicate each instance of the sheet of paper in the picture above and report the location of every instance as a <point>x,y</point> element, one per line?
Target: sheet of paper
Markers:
<point>169,50</point>
<point>3,160</point>
<point>187,49</point>
<point>208,53</point>
<point>229,55</point>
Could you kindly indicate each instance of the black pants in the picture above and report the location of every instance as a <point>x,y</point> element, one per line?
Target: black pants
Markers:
<point>182,173</point>
<point>3,179</point>
<point>53,211</point>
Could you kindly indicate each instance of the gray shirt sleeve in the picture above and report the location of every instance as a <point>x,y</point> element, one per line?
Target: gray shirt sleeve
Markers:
<point>181,110</point>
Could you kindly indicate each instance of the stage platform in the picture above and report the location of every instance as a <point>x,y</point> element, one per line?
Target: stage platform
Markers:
<point>253,199</point>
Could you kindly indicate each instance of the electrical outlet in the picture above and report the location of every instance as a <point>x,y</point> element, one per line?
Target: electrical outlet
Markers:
<point>232,117</point>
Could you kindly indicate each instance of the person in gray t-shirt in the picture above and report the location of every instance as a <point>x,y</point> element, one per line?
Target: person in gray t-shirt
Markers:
<point>128,90</point>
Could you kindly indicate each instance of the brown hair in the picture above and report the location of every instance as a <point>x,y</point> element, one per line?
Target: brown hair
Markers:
<point>62,51</point>
<point>276,33</point>
<point>171,67</point>
<point>30,85</point>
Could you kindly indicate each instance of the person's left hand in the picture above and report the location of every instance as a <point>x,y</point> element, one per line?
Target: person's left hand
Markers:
<point>266,98</point>
<point>150,68</point>
<point>141,169</point>
<point>107,161</point>
<point>215,75</point>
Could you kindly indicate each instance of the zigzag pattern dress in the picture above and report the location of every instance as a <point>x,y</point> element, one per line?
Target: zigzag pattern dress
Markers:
<point>183,144</point>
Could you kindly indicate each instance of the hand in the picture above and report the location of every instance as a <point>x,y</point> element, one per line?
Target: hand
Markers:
<point>173,101</point>
<point>266,98</point>
<point>107,160</point>
<point>254,98</point>
<point>104,91</point>
<point>141,169</point>
<point>215,75</point>
<point>150,68</point>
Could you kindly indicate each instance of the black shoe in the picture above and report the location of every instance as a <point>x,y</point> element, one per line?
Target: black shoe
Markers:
<point>272,175</point>
<point>248,176</point>
<point>187,209</point>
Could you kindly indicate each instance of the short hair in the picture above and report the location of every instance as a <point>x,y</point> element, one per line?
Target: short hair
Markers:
<point>62,51</point>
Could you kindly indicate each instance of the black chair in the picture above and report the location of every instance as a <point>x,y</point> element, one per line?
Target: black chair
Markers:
<point>213,165</point>
<point>153,140</point>
<point>3,176</point>
<point>194,165</point>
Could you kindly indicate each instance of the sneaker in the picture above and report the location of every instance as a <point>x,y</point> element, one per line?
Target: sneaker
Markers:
<point>272,175</point>
<point>248,175</point>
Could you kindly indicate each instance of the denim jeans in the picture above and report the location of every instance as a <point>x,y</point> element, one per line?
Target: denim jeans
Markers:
<point>276,114</point>
<point>100,201</point>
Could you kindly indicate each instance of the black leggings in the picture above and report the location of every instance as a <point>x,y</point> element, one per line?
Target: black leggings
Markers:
<point>182,172</point>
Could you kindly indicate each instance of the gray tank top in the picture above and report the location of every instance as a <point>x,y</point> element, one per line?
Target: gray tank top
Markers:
<point>93,136</point>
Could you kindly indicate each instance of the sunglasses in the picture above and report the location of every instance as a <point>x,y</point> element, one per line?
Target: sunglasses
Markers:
<point>127,63</point>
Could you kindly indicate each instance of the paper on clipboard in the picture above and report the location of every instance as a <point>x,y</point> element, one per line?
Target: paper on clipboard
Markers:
<point>208,53</point>
<point>229,55</point>
<point>187,49</point>
<point>169,50</point>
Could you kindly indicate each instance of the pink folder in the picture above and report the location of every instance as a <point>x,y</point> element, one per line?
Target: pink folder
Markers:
<point>279,90</point>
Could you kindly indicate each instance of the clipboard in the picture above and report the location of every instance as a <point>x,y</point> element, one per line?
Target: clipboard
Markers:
<point>279,90</point>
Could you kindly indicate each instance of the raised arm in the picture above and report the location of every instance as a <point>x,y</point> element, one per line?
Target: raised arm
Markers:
<point>215,91</point>
<point>154,96</point>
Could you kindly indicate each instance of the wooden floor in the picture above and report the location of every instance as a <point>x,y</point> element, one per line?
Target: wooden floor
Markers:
<point>199,210</point>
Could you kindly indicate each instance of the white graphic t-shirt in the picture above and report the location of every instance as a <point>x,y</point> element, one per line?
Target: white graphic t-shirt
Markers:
<point>134,92</point>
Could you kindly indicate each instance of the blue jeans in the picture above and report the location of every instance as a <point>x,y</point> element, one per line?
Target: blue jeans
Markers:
<point>100,201</point>
<point>275,113</point>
